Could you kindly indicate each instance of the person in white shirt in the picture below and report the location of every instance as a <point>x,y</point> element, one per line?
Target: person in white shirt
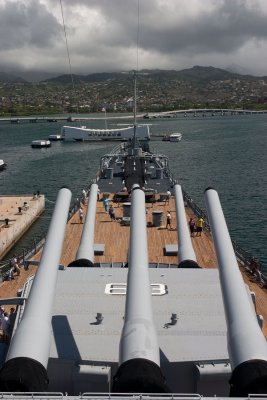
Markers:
<point>168,196</point>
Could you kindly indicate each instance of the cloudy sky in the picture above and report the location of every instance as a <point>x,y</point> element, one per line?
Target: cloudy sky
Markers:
<point>102,35</point>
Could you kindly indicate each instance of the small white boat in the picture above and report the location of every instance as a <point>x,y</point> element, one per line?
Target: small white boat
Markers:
<point>2,165</point>
<point>40,143</point>
<point>175,137</point>
<point>55,137</point>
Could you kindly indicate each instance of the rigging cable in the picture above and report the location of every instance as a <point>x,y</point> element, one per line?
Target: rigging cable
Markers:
<point>68,55</point>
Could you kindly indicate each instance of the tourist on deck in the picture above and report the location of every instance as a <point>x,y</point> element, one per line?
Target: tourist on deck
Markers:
<point>192,227</point>
<point>5,326</point>
<point>81,215</point>
<point>200,225</point>
<point>84,196</point>
<point>254,266</point>
<point>2,310</point>
<point>105,202</point>
<point>111,212</point>
<point>11,320</point>
<point>15,264</point>
<point>168,196</point>
<point>168,220</point>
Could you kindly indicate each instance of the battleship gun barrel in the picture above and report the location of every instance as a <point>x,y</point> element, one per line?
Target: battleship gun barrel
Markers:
<point>139,361</point>
<point>187,257</point>
<point>26,362</point>
<point>85,253</point>
<point>246,343</point>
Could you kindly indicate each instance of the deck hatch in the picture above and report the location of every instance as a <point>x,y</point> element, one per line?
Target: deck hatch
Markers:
<point>157,289</point>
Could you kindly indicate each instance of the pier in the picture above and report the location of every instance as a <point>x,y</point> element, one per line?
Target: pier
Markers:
<point>192,112</point>
<point>17,214</point>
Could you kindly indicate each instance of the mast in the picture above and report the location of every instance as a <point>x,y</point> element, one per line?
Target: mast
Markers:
<point>134,141</point>
<point>135,72</point>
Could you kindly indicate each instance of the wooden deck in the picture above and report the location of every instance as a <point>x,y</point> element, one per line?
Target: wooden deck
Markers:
<point>116,240</point>
<point>116,237</point>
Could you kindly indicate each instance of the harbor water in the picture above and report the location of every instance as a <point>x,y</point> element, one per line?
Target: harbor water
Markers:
<point>226,152</point>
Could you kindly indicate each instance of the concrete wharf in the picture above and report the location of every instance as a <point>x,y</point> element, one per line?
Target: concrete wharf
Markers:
<point>17,214</point>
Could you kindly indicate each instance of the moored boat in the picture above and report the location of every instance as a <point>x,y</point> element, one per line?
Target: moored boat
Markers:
<point>3,165</point>
<point>55,137</point>
<point>40,144</point>
<point>174,137</point>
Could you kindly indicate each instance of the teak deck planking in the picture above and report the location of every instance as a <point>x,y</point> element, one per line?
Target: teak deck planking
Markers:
<point>116,237</point>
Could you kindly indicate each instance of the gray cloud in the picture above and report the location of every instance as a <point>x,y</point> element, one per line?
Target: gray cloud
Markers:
<point>27,25</point>
<point>102,34</point>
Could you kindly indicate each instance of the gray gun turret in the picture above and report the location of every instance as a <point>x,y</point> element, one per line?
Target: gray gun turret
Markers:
<point>26,362</point>
<point>247,345</point>
<point>139,369</point>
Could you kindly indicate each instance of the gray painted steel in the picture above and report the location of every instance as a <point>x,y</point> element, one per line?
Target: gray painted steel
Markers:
<point>32,337</point>
<point>139,338</point>
<point>245,338</point>
<point>86,248</point>
<point>186,251</point>
<point>195,295</point>
<point>198,337</point>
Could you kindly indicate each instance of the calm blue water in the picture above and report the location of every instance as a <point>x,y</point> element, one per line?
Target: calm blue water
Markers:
<point>226,152</point>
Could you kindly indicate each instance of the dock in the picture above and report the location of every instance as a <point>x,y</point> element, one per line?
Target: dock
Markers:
<point>17,214</point>
<point>198,112</point>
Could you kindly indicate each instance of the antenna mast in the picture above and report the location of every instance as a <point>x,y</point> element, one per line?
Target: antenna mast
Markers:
<point>136,72</point>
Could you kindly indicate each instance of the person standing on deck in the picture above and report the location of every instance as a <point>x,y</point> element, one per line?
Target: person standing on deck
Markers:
<point>81,215</point>
<point>168,220</point>
<point>5,326</point>
<point>254,266</point>
<point>200,224</point>
<point>192,225</point>
<point>2,310</point>
<point>111,212</point>
<point>15,264</point>
<point>105,202</point>
<point>168,196</point>
<point>11,322</point>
